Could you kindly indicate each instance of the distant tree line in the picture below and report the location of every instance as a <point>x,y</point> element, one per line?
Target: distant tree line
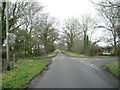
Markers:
<point>76,37</point>
<point>31,32</point>
<point>34,33</point>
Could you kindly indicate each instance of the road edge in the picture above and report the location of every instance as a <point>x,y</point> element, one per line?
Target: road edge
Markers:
<point>41,73</point>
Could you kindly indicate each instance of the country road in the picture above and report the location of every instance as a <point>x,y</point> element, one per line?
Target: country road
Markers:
<point>69,72</point>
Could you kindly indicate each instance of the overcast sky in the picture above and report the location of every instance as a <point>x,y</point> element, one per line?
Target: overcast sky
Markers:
<point>63,9</point>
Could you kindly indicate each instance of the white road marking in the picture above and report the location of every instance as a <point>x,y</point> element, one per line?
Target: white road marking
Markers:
<point>88,64</point>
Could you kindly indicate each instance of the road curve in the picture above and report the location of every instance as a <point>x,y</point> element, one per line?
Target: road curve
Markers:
<point>68,72</point>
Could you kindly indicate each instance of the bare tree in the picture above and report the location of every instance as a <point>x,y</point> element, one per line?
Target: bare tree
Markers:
<point>46,32</point>
<point>87,25</point>
<point>109,11</point>
<point>32,10</point>
<point>71,29</point>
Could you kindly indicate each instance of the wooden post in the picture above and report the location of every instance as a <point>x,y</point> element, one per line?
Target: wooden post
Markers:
<point>14,59</point>
<point>7,35</point>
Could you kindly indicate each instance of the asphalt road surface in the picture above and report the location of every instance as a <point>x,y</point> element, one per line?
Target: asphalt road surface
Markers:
<point>69,72</point>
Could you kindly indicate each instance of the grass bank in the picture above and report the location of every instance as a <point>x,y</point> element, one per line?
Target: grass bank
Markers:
<point>50,55</point>
<point>72,54</point>
<point>23,72</point>
<point>114,68</point>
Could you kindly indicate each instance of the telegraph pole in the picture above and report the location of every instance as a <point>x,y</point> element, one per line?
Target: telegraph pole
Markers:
<point>7,35</point>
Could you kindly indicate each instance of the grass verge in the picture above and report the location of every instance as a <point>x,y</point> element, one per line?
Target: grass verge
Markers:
<point>73,54</point>
<point>67,53</point>
<point>50,55</point>
<point>114,68</point>
<point>20,76</point>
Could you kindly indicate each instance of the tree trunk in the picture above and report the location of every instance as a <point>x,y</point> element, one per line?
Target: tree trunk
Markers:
<point>71,44</point>
<point>115,46</point>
